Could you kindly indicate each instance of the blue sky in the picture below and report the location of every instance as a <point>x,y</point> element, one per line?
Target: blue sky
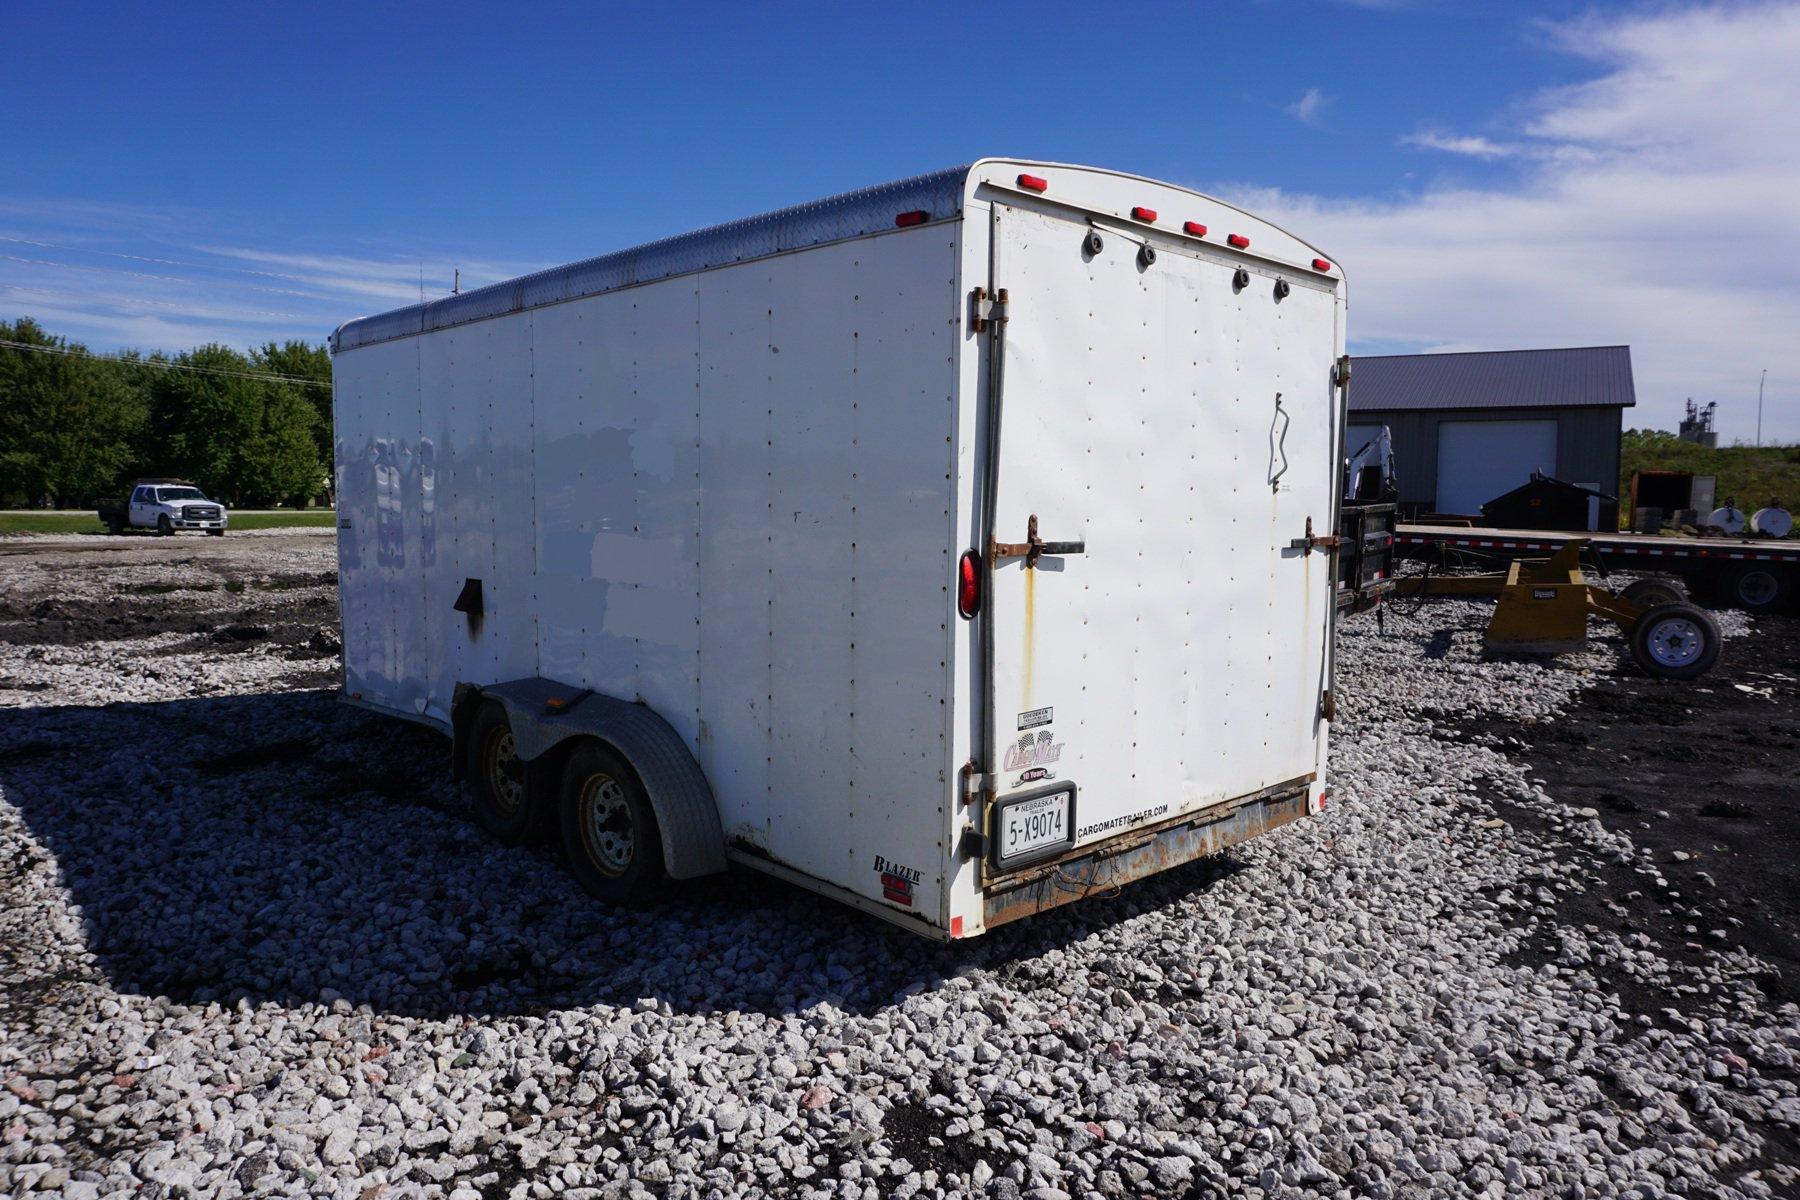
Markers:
<point>242,172</point>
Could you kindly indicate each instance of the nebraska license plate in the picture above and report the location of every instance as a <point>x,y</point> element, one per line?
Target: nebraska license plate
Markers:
<point>1034,826</point>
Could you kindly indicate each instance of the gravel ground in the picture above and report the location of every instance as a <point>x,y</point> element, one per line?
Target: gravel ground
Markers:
<point>250,944</point>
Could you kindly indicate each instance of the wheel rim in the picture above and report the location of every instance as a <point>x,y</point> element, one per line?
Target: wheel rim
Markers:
<point>505,775</point>
<point>607,833</point>
<point>1675,642</point>
<point>1756,588</point>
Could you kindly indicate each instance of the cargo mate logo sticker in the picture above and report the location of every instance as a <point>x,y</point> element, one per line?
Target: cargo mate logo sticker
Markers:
<point>897,881</point>
<point>1033,750</point>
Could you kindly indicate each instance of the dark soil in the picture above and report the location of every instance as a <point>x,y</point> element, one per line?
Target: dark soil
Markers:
<point>1705,777</point>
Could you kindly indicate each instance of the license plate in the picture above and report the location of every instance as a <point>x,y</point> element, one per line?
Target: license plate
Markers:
<point>1034,826</point>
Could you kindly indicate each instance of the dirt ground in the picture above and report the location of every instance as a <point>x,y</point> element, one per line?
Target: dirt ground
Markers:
<point>1705,776</point>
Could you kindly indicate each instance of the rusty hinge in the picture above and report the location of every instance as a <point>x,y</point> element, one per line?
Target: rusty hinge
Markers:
<point>1328,705</point>
<point>1309,543</point>
<point>973,782</point>
<point>985,310</point>
<point>1035,547</point>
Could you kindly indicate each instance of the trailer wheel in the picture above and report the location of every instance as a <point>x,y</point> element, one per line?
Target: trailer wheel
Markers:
<point>164,526</point>
<point>511,811</point>
<point>609,827</point>
<point>1759,588</point>
<point>1656,589</point>
<point>1675,641</point>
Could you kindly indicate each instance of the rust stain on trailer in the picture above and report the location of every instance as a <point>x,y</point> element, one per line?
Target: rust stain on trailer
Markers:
<point>1107,867</point>
<point>1029,650</point>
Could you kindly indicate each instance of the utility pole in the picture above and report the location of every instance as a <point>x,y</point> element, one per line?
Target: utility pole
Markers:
<point>1759,392</point>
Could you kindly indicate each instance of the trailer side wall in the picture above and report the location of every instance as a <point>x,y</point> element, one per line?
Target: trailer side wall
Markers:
<point>726,494</point>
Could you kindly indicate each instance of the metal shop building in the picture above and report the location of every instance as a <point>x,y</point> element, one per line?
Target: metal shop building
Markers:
<point>1471,426</point>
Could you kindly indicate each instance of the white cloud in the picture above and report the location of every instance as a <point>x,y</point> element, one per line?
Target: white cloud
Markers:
<point>113,276</point>
<point>1473,146</point>
<point>1654,205</point>
<point>1309,107</point>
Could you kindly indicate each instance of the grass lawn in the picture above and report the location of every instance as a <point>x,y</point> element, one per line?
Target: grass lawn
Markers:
<point>87,522</point>
<point>1749,474</point>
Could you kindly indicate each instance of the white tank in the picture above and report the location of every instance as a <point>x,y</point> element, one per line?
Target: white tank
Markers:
<point>1773,522</point>
<point>1730,519</point>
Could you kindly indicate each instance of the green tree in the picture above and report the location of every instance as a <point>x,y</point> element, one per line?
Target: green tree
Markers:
<point>246,440</point>
<point>306,361</point>
<point>68,424</point>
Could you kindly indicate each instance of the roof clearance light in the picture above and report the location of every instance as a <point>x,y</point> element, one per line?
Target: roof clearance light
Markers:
<point>1194,227</point>
<point>1320,264</point>
<point>917,216</point>
<point>1034,183</point>
<point>1239,240</point>
<point>1146,215</point>
<point>968,584</point>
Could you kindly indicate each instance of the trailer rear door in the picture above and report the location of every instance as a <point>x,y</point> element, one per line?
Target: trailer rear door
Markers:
<point>1179,427</point>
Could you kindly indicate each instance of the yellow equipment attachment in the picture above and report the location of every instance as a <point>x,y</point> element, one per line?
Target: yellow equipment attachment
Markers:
<point>1542,606</point>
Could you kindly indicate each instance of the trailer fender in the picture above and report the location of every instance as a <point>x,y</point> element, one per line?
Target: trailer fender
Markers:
<point>545,714</point>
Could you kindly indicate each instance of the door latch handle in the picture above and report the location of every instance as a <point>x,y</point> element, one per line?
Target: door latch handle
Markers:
<point>1309,543</point>
<point>1035,547</point>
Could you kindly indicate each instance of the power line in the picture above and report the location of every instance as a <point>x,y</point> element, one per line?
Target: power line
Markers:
<point>70,352</point>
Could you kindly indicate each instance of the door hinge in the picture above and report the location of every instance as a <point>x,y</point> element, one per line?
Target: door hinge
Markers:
<point>1309,543</point>
<point>985,310</point>
<point>974,782</point>
<point>1328,705</point>
<point>1341,373</point>
<point>1035,547</point>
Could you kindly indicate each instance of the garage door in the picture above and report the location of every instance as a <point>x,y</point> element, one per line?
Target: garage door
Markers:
<point>1479,460</point>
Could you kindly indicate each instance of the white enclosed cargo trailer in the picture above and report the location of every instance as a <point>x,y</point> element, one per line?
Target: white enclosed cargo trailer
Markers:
<point>946,547</point>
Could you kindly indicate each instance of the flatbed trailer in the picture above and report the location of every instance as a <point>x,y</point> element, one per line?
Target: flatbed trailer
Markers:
<point>1758,574</point>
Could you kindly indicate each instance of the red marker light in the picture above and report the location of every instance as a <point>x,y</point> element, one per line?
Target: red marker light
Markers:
<point>1033,183</point>
<point>1146,215</point>
<point>968,584</point>
<point>916,217</point>
<point>1239,240</point>
<point>1320,264</point>
<point>1194,227</point>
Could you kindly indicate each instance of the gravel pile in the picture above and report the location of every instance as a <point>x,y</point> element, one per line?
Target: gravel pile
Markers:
<point>250,944</point>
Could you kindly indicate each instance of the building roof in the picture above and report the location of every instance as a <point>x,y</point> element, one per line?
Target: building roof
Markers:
<point>1580,377</point>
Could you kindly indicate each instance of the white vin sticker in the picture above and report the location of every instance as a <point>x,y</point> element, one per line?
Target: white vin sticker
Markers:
<point>1033,825</point>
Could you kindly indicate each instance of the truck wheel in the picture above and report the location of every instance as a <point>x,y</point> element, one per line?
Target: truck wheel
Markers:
<point>609,827</point>
<point>1655,589</point>
<point>114,526</point>
<point>1759,588</point>
<point>1675,641</point>
<point>164,526</point>
<point>505,805</point>
<point>215,533</point>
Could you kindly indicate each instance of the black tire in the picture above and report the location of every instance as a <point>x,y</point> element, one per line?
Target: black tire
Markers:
<point>215,533</point>
<point>114,526</point>
<point>1656,589</point>
<point>165,527</point>
<point>506,805</point>
<point>609,828</point>
<point>1760,587</point>
<point>1675,641</point>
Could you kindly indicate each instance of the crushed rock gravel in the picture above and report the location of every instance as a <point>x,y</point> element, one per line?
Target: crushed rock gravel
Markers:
<point>251,944</point>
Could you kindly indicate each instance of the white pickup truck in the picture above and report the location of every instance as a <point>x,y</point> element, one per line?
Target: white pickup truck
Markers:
<point>165,505</point>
